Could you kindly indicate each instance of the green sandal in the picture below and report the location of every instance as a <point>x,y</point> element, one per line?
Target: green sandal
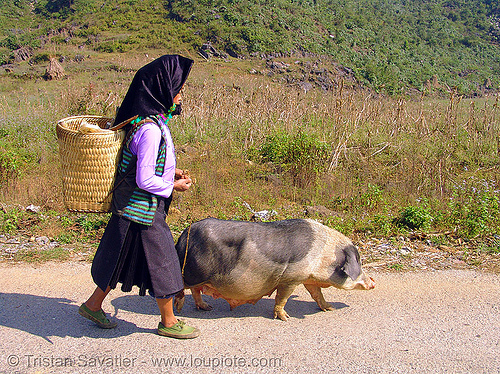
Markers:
<point>180,331</point>
<point>98,317</point>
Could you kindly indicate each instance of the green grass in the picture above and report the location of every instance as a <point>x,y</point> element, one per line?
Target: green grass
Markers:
<point>396,267</point>
<point>386,166</point>
<point>389,46</point>
<point>38,256</point>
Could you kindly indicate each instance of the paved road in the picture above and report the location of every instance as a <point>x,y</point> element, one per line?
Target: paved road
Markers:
<point>424,322</point>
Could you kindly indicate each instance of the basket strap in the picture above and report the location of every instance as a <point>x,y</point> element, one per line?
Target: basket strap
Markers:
<point>116,185</point>
<point>127,138</point>
<point>122,124</point>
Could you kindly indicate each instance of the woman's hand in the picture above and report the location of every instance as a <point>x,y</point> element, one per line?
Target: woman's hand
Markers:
<point>181,174</point>
<point>182,180</point>
<point>182,184</point>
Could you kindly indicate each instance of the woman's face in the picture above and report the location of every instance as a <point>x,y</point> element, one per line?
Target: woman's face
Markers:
<point>177,99</point>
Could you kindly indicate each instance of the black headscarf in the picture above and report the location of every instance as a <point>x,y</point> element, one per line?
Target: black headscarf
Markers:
<point>154,87</point>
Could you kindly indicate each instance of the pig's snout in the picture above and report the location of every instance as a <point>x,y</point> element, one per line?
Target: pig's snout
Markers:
<point>362,283</point>
<point>369,284</point>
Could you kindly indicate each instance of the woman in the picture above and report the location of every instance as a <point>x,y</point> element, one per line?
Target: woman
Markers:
<point>137,247</point>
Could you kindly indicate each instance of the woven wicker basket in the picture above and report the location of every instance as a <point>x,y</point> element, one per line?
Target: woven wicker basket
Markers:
<point>88,163</point>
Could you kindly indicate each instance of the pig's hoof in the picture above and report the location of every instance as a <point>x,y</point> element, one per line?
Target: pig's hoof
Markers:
<point>179,303</point>
<point>204,306</point>
<point>281,314</point>
<point>326,307</point>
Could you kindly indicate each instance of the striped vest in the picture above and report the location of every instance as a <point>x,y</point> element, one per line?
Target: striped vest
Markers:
<point>140,205</point>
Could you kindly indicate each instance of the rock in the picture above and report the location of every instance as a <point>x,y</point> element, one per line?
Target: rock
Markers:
<point>263,215</point>
<point>207,51</point>
<point>384,248</point>
<point>232,53</point>
<point>405,251</point>
<point>33,208</point>
<point>22,54</point>
<point>42,240</point>
<point>79,58</point>
<point>93,39</point>
<point>53,245</point>
<point>204,54</point>
<point>13,250</point>
<point>276,65</point>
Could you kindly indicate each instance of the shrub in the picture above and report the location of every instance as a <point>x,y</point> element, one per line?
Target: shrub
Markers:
<point>10,165</point>
<point>415,218</point>
<point>372,196</point>
<point>474,207</point>
<point>9,220</point>
<point>40,57</point>
<point>383,224</point>
<point>301,155</point>
<point>90,223</point>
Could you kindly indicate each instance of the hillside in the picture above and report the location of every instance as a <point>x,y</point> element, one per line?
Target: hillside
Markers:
<point>279,122</point>
<point>389,46</point>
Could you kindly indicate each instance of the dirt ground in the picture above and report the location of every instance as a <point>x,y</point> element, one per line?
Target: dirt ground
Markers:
<point>432,321</point>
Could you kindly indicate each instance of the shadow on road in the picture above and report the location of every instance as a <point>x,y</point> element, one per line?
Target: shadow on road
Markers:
<point>263,308</point>
<point>48,317</point>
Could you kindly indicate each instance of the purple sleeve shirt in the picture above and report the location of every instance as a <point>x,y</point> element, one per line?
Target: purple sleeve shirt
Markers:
<point>145,145</point>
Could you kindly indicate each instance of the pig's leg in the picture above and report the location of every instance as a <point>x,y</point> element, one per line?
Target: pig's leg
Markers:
<point>198,300</point>
<point>317,295</point>
<point>179,300</point>
<point>283,292</point>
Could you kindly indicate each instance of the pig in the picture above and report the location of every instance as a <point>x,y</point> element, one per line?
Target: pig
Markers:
<point>243,261</point>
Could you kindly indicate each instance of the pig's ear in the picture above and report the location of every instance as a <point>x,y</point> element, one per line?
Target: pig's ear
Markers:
<point>352,264</point>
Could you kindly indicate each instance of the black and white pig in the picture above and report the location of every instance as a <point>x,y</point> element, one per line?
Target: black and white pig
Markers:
<point>243,261</point>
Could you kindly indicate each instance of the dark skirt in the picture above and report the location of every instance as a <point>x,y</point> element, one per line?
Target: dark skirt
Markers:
<point>138,255</point>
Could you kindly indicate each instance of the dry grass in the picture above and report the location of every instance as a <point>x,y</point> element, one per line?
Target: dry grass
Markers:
<point>385,152</point>
<point>409,148</point>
